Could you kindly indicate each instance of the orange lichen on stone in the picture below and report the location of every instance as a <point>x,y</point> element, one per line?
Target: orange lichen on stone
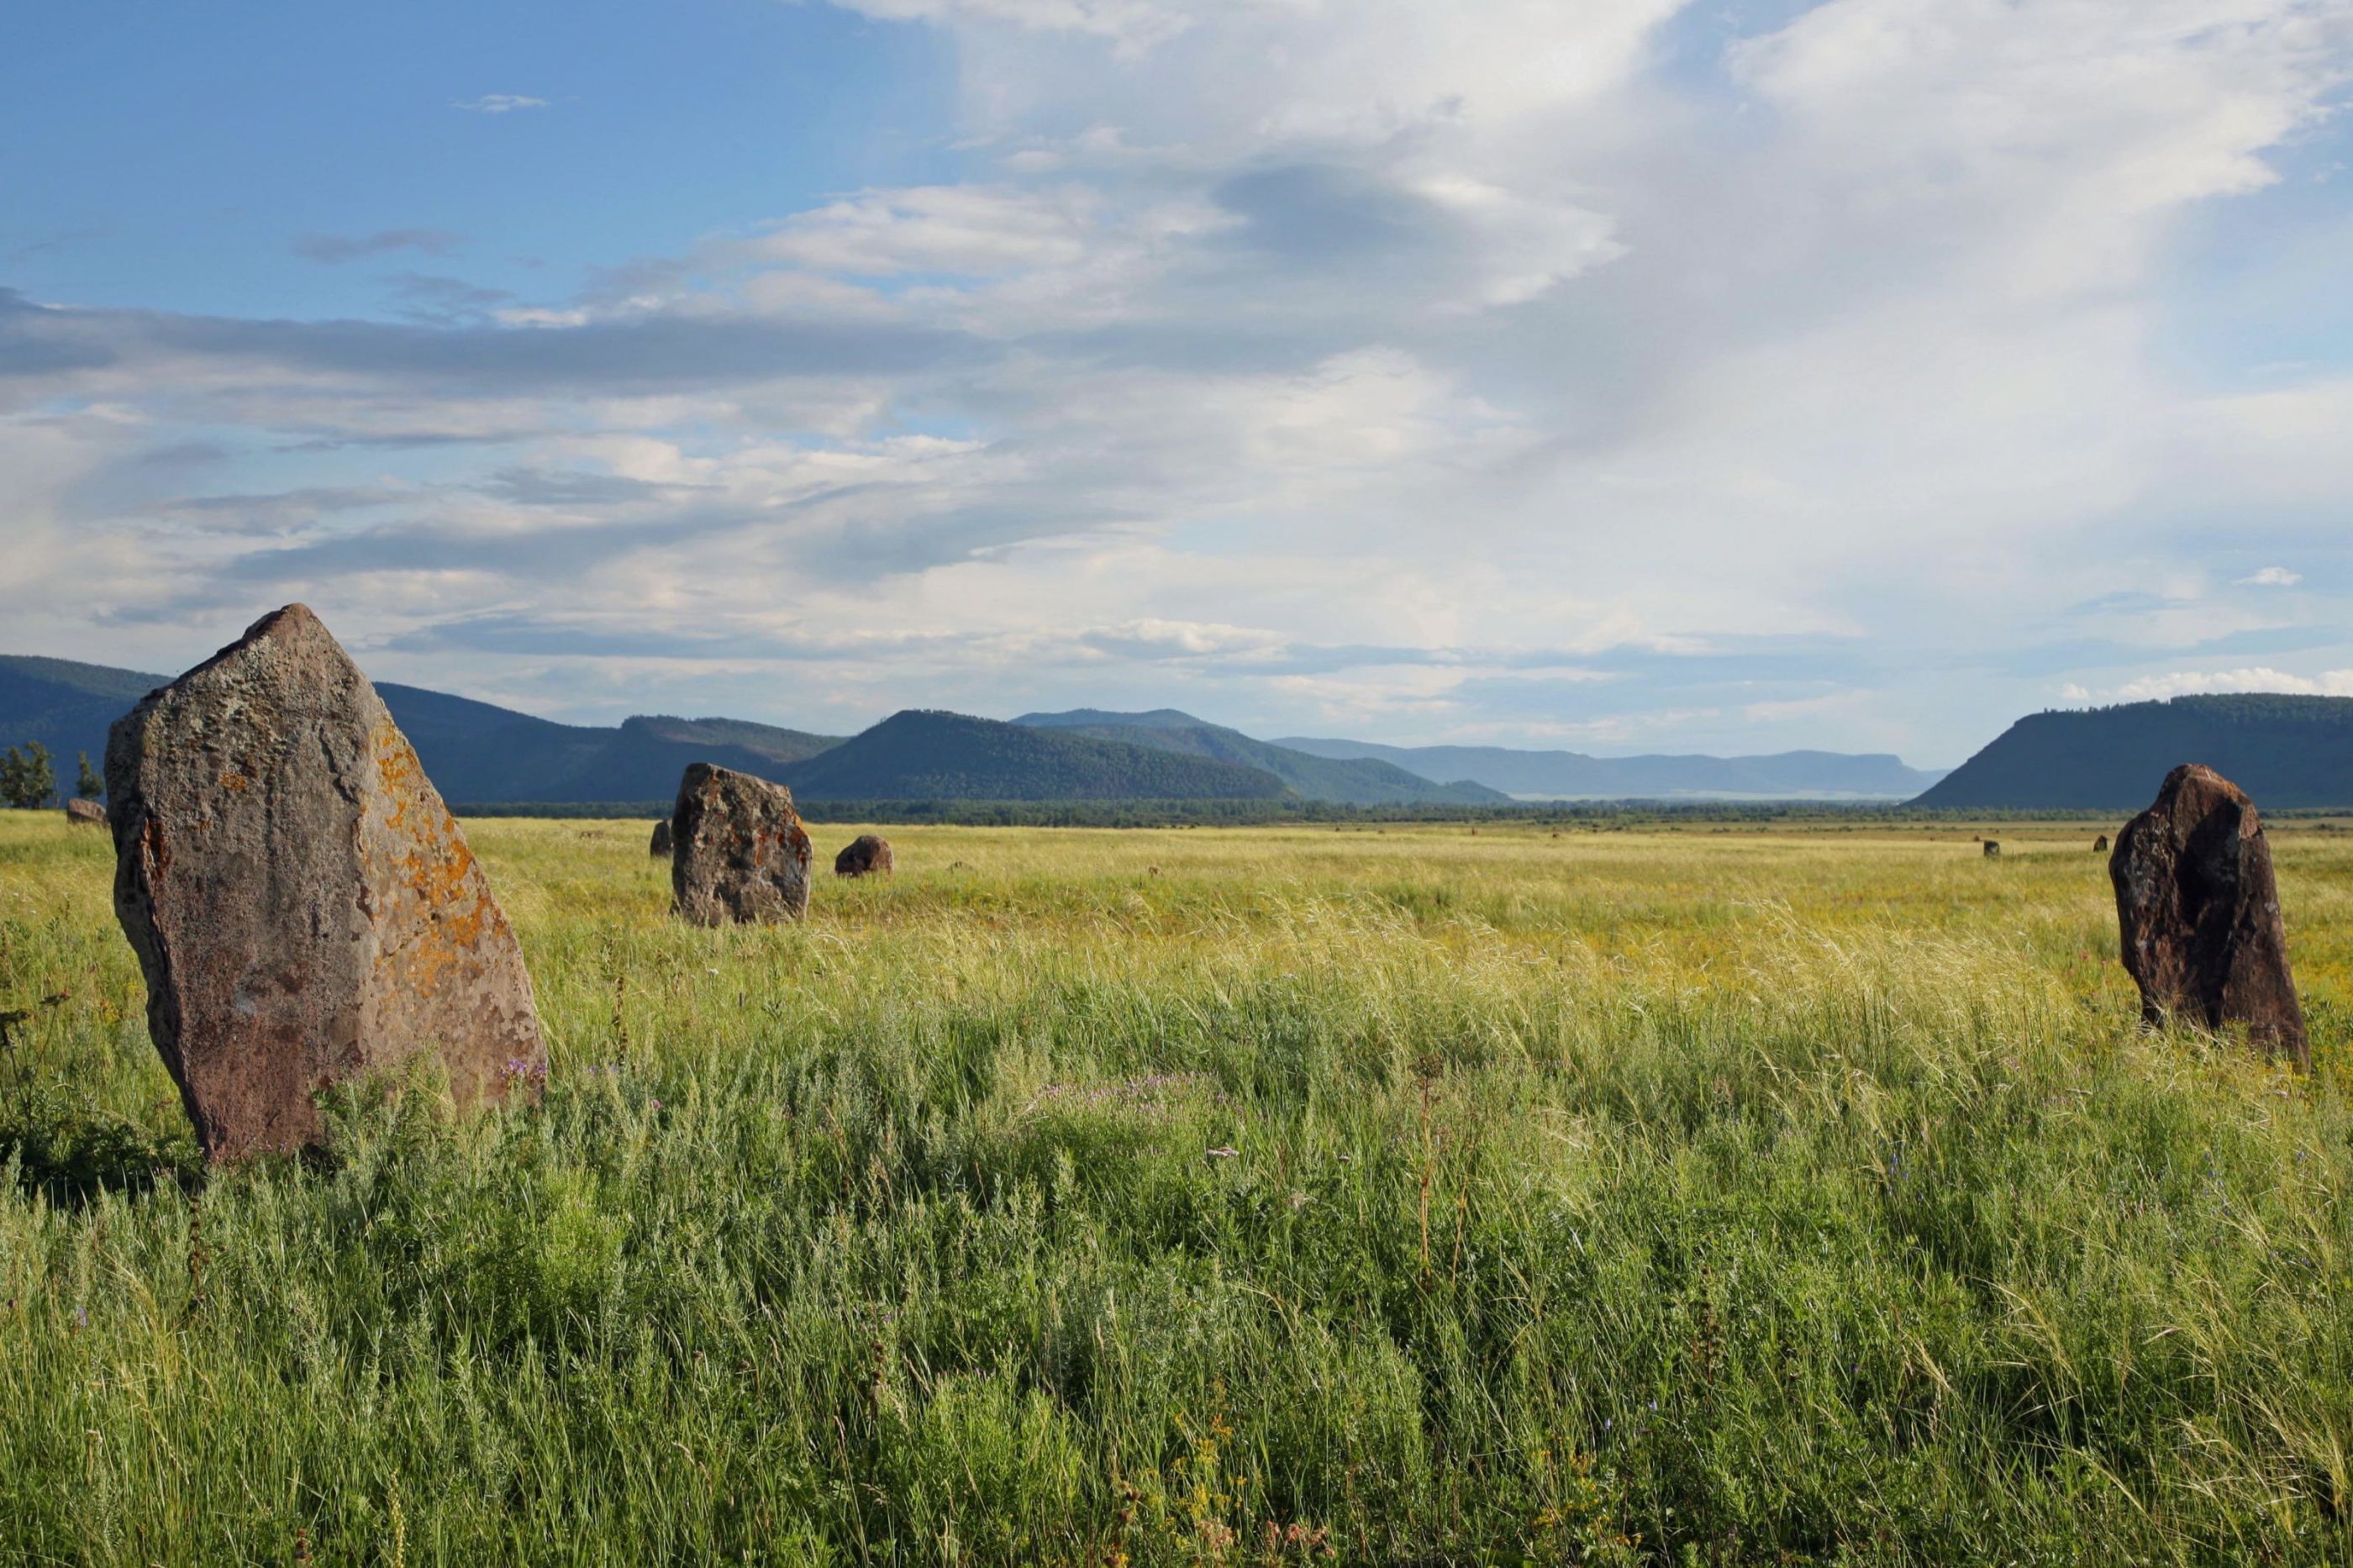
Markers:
<point>434,868</point>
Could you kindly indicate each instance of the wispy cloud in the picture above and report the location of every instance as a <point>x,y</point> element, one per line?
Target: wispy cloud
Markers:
<point>1385,363</point>
<point>334,249</point>
<point>2194,682</point>
<point>499,103</point>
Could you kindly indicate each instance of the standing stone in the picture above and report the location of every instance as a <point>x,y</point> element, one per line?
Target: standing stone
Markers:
<point>661,838</point>
<point>2100,845</point>
<point>1993,848</point>
<point>2200,914</point>
<point>81,813</point>
<point>739,854</point>
<point>865,856</point>
<point>304,907</point>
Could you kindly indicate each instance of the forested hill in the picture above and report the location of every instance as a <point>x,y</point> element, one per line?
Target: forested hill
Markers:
<point>475,752</point>
<point>923,755</point>
<point>2285,752</point>
<point>66,707</point>
<point>1350,780</point>
<point>478,754</point>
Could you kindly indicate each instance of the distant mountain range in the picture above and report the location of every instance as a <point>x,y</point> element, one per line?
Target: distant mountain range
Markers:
<point>479,754</point>
<point>2285,752</point>
<point>1572,775</point>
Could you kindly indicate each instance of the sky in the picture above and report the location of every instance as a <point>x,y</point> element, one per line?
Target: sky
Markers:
<point>1621,375</point>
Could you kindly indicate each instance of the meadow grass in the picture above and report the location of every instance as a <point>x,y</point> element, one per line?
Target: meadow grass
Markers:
<point>1218,1195</point>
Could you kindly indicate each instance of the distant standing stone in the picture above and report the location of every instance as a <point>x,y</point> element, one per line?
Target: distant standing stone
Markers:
<point>661,838</point>
<point>739,854</point>
<point>2100,845</point>
<point>82,812</point>
<point>866,856</point>
<point>304,907</point>
<point>2199,910</point>
<point>1993,848</point>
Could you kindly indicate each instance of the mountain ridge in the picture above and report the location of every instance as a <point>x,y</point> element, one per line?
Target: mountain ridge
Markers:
<point>932,755</point>
<point>1574,775</point>
<point>2288,752</point>
<point>1344,780</point>
<point>481,754</point>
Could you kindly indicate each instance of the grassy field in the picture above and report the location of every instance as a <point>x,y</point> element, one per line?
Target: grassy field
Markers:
<point>1231,1195</point>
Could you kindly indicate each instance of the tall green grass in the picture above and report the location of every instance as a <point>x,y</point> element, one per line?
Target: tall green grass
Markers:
<point>1216,1197</point>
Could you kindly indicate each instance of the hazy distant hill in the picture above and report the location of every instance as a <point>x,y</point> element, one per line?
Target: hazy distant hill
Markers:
<point>2284,750</point>
<point>1362,780</point>
<point>1572,775</point>
<point>926,755</point>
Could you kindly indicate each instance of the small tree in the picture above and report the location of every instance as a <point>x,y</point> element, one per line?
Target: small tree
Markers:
<point>89,786</point>
<point>27,780</point>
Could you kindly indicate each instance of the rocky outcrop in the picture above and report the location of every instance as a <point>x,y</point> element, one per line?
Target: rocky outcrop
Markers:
<point>2199,910</point>
<point>739,854</point>
<point>304,907</point>
<point>865,856</point>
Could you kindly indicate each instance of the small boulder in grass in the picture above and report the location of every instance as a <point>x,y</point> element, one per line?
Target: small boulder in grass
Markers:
<point>661,842</point>
<point>739,855</point>
<point>867,855</point>
<point>305,907</point>
<point>2199,912</point>
<point>2100,845</point>
<point>1993,848</point>
<point>81,813</point>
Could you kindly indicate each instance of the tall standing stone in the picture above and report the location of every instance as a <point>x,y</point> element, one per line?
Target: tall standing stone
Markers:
<point>2199,913</point>
<point>304,907</point>
<point>738,852</point>
<point>661,842</point>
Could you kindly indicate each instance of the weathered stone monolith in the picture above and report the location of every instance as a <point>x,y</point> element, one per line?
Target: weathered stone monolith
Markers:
<point>1993,848</point>
<point>865,856</point>
<point>305,907</point>
<point>661,839</point>
<point>2100,845</point>
<point>2199,910</point>
<point>81,813</point>
<point>738,852</point>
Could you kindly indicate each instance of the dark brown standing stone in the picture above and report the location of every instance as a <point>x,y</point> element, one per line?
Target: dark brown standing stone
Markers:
<point>661,838</point>
<point>739,853</point>
<point>2100,845</point>
<point>304,906</point>
<point>2198,909</point>
<point>85,813</point>
<point>865,856</point>
<point>1993,848</point>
